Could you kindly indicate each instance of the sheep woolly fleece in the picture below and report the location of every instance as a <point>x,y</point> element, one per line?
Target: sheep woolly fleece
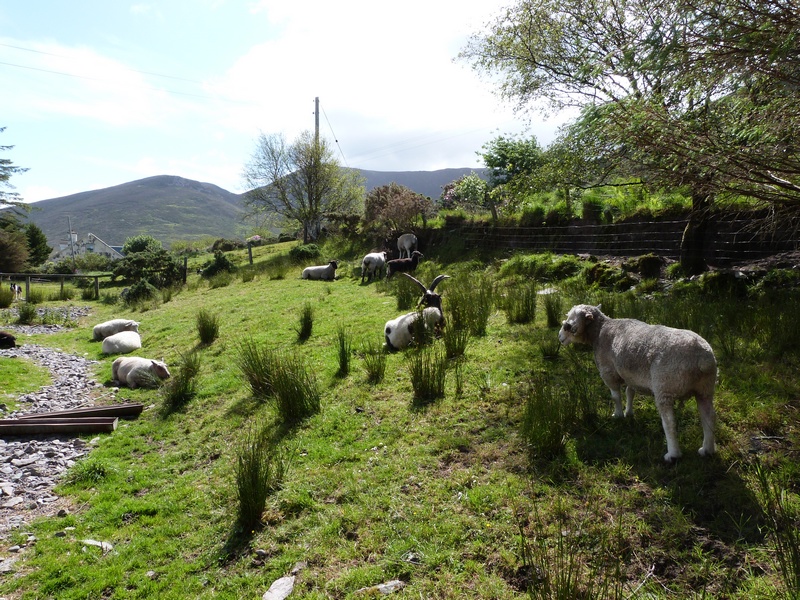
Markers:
<point>122,343</point>
<point>135,371</point>
<point>322,272</point>
<point>667,363</point>
<point>103,330</point>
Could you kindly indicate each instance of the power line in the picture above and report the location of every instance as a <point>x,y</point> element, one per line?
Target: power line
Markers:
<point>335,139</point>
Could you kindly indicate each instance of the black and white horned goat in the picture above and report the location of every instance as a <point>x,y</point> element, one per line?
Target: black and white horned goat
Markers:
<point>399,332</point>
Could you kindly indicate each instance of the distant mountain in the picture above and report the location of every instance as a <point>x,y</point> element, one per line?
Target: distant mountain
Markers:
<point>172,208</point>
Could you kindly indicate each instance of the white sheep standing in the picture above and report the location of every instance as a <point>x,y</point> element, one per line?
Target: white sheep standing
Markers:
<point>399,332</point>
<point>323,272</point>
<point>122,343</point>
<point>373,263</point>
<point>406,244</point>
<point>103,330</point>
<point>135,371</point>
<point>667,363</point>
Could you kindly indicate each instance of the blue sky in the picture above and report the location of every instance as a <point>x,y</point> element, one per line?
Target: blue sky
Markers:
<point>99,93</point>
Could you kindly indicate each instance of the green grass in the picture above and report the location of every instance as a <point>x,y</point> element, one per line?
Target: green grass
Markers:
<point>20,376</point>
<point>445,495</point>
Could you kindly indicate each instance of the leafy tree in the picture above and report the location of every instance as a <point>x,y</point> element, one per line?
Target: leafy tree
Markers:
<point>301,182</point>
<point>13,251</point>
<point>38,249</point>
<point>141,243</point>
<point>699,92</point>
<point>394,207</point>
<point>7,169</point>
<point>146,259</point>
<point>469,192</point>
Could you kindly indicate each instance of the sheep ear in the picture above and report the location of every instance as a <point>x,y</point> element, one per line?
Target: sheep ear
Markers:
<point>589,315</point>
<point>439,279</point>
<point>417,281</point>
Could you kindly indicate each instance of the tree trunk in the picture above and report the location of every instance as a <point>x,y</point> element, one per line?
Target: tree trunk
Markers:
<point>693,242</point>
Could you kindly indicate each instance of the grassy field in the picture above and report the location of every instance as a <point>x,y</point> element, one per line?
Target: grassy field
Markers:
<point>487,492</point>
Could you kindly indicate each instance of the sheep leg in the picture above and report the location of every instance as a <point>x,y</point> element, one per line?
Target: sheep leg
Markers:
<point>616,396</point>
<point>708,418</point>
<point>666,409</point>
<point>629,394</point>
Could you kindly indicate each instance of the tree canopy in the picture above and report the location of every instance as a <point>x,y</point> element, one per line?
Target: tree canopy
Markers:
<point>695,92</point>
<point>300,181</point>
<point>7,169</point>
<point>394,207</point>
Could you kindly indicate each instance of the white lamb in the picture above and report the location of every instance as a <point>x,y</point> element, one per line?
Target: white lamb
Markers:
<point>406,244</point>
<point>103,330</point>
<point>135,371</point>
<point>373,263</point>
<point>323,272</point>
<point>122,343</point>
<point>669,364</point>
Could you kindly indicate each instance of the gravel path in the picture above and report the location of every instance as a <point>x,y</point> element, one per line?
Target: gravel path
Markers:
<point>30,467</point>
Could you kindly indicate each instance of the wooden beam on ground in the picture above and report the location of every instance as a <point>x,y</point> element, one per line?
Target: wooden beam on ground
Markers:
<point>129,410</point>
<point>51,426</point>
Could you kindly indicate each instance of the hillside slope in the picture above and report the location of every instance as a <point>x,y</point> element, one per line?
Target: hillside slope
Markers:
<point>172,208</point>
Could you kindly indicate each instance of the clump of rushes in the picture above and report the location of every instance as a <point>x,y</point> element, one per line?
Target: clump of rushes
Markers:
<point>470,301</point>
<point>295,389</point>
<point>207,326</point>
<point>455,341</point>
<point>427,368</point>
<point>257,364</point>
<point>548,414</point>
<point>306,323</point>
<point>26,313</point>
<point>344,350</point>
<point>554,309</point>
<point>260,469</point>
<point>374,361</point>
<point>179,389</point>
<point>520,303</point>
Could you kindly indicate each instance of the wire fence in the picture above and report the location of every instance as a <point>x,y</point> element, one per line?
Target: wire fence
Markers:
<point>727,242</point>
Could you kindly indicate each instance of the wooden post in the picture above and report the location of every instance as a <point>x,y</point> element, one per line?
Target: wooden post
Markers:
<point>27,288</point>
<point>250,252</point>
<point>96,288</point>
<point>185,268</point>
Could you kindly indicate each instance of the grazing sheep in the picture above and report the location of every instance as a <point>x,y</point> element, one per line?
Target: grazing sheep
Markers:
<point>324,272</point>
<point>670,364</point>
<point>399,332</point>
<point>406,244</point>
<point>372,263</point>
<point>122,343</point>
<point>135,371</point>
<point>403,265</point>
<point>16,290</point>
<point>103,330</point>
<point>7,340</point>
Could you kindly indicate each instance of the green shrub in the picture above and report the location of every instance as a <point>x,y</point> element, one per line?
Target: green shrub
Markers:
<point>26,313</point>
<point>260,468</point>
<point>6,297</point>
<point>141,291</point>
<point>221,279</point>
<point>220,264</point>
<point>66,293</point>
<point>36,296</point>
<point>303,253</point>
<point>532,216</point>
<point>207,326</point>
<point>427,367</point>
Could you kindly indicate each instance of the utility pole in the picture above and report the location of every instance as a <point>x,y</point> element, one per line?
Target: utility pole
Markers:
<point>316,120</point>
<point>71,242</point>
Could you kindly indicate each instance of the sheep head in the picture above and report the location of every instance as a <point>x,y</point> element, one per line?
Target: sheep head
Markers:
<point>579,319</point>
<point>429,297</point>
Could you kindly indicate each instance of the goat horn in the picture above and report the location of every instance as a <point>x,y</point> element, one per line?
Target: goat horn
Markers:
<point>417,281</point>
<point>437,281</point>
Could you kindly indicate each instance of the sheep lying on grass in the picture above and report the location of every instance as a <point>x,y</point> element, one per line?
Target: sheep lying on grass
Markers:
<point>403,265</point>
<point>7,340</point>
<point>323,272</point>
<point>122,343</point>
<point>135,371</point>
<point>399,332</point>
<point>372,263</point>
<point>103,330</point>
<point>670,364</point>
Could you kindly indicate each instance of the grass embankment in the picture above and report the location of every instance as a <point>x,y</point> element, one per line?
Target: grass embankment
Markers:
<point>446,495</point>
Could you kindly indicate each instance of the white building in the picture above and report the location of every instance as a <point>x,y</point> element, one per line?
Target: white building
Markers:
<point>90,244</point>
